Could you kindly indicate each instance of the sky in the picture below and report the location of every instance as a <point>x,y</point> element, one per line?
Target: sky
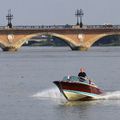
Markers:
<point>60,12</point>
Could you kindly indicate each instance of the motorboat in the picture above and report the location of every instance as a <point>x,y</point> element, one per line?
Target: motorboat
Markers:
<point>75,88</point>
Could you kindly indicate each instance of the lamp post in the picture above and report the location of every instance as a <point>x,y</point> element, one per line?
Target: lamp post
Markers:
<point>81,15</point>
<point>77,15</point>
<point>9,17</point>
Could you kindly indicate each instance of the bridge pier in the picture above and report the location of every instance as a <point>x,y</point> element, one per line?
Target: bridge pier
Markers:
<point>79,48</point>
<point>10,49</point>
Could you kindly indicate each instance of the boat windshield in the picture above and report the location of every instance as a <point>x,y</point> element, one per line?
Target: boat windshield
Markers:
<point>75,79</point>
<point>71,78</point>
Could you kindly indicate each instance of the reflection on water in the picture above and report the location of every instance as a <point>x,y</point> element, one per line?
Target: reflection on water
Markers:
<point>79,103</point>
<point>92,103</point>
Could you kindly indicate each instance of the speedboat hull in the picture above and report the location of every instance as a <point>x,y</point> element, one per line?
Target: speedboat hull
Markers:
<point>78,90</point>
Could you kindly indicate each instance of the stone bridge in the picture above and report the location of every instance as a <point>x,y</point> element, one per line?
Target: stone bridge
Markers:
<point>11,39</point>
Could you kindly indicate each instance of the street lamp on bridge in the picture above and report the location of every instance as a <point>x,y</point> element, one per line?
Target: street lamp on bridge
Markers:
<point>9,17</point>
<point>79,14</point>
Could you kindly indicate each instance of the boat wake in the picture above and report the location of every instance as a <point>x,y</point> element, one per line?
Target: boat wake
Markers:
<point>115,95</point>
<point>54,93</point>
<point>49,93</point>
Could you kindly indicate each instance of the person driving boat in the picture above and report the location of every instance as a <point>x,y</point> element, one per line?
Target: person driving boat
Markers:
<point>82,75</point>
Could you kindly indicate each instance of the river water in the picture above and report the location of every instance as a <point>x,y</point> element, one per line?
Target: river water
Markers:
<point>27,91</point>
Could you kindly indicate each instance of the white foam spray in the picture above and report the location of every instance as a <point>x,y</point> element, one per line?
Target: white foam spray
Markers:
<point>54,94</point>
<point>49,93</point>
<point>115,95</point>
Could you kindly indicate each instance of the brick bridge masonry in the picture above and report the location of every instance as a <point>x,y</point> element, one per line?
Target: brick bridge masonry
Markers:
<point>77,38</point>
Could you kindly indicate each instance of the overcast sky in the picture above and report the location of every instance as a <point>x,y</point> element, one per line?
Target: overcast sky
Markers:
<point>49,12</point>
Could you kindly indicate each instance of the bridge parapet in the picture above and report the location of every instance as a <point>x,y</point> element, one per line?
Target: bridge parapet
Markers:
<point>102,26</point>
<point>38,27</point>
<point>62,27</point>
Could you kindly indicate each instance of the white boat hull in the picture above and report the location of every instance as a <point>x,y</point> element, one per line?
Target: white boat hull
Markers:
<point>75,95</point>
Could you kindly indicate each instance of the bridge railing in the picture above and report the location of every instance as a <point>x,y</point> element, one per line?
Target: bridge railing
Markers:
<point>102,26</point>
<point>38,27</point>
<point>63,27</point>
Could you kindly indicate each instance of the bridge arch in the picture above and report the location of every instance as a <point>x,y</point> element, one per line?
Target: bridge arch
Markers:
<point>99,37</point>
<point>2,46</point>
<point>66,39</point>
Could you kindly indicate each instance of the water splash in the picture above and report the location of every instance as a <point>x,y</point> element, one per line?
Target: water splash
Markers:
<point>115,95</point>
<point>54,93</point>
<point>49,93</point>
